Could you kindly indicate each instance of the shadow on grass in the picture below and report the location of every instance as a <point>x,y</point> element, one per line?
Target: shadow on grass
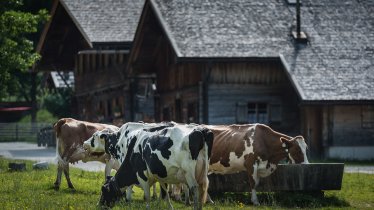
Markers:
<point>283,199</point>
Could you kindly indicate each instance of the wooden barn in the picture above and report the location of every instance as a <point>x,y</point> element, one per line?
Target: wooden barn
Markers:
<point>224,62</point>
<point>92,39</point>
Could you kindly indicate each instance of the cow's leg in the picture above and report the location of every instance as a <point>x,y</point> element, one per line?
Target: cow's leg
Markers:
<point>193,185</point>
<point>129,194</point>
<point>165,188</point>
<point>253,182</point>
<point>58,178</point>
<point>146,186</point>
<point>110,164</point>
<point>154,196</point>
<point>176,191</point>
<point>67,176</point>
<point>196,204</point>
<point>186,195</point>
<point>209,199</point>
<point>203,191</point>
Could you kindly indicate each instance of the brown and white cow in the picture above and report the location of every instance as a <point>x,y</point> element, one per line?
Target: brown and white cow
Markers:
<point>254,148</point>
<point>70,135</point>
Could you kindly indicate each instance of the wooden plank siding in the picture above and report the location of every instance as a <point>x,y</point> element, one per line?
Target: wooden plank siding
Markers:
<point>251,82</point>
<point>348,121</point>
<point>99,86</point>
<point>326,126</point>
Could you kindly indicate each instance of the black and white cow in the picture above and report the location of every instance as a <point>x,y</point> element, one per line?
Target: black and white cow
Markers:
<point>167,154</point>
<point>114,142</point>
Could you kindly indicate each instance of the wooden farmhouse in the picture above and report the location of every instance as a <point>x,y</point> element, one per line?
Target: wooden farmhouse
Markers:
<point>225,62</point>
<point>92,39</point>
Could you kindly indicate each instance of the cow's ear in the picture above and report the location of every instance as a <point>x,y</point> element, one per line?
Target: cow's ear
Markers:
<point>285,142</point>
<point>103,136</point>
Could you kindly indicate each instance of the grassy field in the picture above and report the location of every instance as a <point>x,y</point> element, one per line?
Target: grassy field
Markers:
<point>32,189</point>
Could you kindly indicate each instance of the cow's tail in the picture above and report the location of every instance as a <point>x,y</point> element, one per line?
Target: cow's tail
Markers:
<point>59,147</point>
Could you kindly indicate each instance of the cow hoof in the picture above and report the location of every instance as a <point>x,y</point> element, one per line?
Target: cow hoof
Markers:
<point>56,187</point>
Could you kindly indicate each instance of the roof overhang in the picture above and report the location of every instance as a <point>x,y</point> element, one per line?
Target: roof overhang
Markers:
<point>337,102</point>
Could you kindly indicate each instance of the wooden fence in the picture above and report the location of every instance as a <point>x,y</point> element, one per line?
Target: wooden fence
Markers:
<point>41,133</point>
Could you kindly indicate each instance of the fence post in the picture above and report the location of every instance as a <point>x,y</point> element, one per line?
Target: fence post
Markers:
<point>16,131</point>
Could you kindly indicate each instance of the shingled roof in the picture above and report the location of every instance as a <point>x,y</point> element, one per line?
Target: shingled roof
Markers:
<point>105,20</point>
<point>336,64</point>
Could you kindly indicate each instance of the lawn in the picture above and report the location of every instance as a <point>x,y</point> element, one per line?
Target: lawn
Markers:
<point>32,189</point>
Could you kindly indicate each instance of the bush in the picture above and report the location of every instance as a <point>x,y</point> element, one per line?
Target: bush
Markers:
<point>42,116</point>
<point>59,103</point>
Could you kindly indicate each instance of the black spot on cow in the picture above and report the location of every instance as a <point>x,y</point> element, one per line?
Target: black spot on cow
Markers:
<point>161,143</point>
<point>135,160</point>
<point>208,137</point>
<point>196,143</point>
<point>154,164</point>
<point>111,139</point>
<point>139,165</point>
<point>127,132</point>
<point>92,142</point>
<point>130,140</point>
<point>158,128</point>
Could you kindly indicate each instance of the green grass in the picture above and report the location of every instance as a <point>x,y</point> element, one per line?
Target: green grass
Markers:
<point>32,189</point>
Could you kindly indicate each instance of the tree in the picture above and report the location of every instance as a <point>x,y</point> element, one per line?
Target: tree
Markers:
<point>17,53</point>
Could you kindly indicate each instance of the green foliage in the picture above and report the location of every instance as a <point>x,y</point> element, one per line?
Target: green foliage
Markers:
<point>59,103</point>
<point>16,51</point>
<point>33,189</point>
<point>42,116</point>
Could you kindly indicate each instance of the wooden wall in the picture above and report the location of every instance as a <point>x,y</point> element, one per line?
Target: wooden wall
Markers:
<point>100,87</point>
<point>326,126</point>
<point>350,126</point>
<point>231,84</point>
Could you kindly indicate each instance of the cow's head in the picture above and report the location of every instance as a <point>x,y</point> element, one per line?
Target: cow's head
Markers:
<point>110,193</point>
<point>96,143</point>
<point>296,149</point>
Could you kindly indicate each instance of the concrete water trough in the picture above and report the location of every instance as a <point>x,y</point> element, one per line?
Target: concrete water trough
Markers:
<point>314,177</point>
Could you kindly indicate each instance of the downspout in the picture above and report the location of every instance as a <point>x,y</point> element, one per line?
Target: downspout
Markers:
<point>205,94</point>
<point>132,101</point>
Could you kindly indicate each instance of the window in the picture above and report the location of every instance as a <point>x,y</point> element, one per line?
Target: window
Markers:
<point>257,112</point>
<point>367,116</point>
